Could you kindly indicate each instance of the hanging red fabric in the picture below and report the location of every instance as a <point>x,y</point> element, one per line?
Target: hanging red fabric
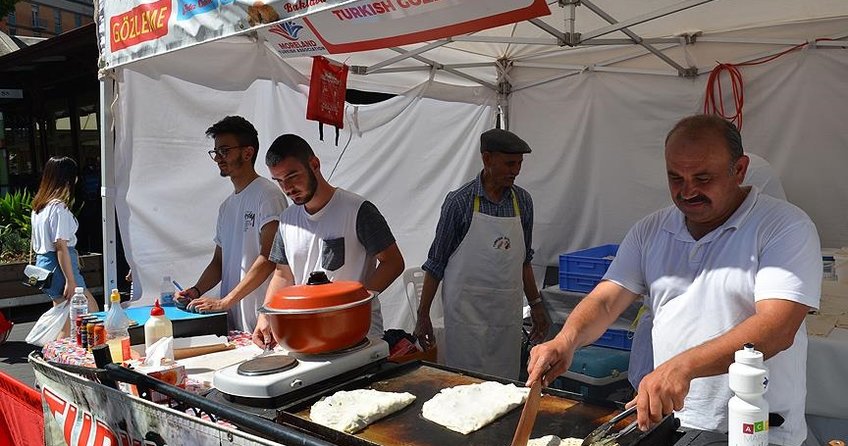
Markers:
<point>327,89</point>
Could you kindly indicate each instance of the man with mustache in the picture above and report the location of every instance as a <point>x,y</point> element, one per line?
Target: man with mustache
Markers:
<point>247,221</point>
<point>482,254</point>
<point>328,229</point>
<point>726,265</point>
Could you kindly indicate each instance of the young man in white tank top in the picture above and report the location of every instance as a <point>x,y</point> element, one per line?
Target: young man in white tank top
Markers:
<point>328,229</point>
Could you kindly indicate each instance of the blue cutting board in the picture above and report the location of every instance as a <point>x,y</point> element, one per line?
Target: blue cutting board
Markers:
<point>141,314</point>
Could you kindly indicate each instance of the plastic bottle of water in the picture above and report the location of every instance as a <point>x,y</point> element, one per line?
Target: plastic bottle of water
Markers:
<point>166,295</point>
<point>117,329</point>
<point>748,410</point>
<point>78,307</point>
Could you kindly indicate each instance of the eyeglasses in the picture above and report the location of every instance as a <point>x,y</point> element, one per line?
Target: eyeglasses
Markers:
<point>222,151</point>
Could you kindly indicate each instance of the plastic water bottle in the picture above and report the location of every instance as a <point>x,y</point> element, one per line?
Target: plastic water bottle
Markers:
<point>78,307</point>
<point>167,290</point>
<point>748,411</point>
<point>157,326</point>
<point>117,329</point>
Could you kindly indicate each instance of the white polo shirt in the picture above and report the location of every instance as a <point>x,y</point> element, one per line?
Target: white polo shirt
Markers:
<point>698,290</point>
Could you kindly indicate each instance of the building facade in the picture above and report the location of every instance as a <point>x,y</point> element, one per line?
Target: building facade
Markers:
<point>47,18</point>
<point>49,106</point>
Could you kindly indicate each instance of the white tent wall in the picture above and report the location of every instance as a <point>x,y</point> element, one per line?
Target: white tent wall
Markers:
<point>403,154</point>
<point>598,165</point>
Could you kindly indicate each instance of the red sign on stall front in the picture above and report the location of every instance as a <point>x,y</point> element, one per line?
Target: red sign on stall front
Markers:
<point>140,24</point>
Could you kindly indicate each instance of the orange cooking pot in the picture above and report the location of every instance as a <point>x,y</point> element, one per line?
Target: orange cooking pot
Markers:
<point>321,316</point>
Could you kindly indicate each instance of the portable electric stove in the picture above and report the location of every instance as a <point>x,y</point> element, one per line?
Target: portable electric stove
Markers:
<point>274,375</point>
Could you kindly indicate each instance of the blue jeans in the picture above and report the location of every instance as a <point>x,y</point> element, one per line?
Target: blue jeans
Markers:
<point>51,261</point>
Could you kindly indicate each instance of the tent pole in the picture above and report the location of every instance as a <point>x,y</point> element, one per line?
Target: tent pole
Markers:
<point>504,90</point>
<point>662,12</point>
<point>439,66</point>
<point>638,40</point>
<point>407,55</point>
<point>561,38</point>
<point>107,190</point>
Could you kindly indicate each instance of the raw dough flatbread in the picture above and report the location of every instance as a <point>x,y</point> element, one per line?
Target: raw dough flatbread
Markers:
<point>353,410</point>
<point>553,440</point>
<point>469,407</point>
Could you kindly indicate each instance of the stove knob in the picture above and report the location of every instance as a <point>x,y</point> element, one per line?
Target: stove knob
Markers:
<point>296,383</point>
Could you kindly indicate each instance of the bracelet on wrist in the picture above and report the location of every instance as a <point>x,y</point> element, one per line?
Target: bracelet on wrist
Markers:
<point>196,290</point>
<point>535,302</point>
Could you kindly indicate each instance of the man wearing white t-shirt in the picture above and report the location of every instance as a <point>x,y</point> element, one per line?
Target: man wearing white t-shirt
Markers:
<point>247,222</point>
<point>329,229</point>
<point>725,266</point>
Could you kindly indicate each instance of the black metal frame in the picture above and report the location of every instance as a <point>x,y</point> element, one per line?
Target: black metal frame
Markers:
<point>110,373</point>
<point>291,429</point>
<point>659,435</point>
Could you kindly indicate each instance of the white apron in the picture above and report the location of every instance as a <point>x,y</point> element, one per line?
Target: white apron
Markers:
<point>482,292</point>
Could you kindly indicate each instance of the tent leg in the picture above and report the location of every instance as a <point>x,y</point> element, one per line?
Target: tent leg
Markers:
<point>503,115</point>
<point>107,191</point>
<point>504,90</point>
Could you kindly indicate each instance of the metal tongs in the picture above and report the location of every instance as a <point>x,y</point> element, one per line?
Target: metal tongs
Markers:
<point>602,437</point>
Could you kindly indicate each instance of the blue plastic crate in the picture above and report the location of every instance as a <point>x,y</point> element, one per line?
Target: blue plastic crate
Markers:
<point>582,270</point>
<point>577,282</point>
<point>614,338</point>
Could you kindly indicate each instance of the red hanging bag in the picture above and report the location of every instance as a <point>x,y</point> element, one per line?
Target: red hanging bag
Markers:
<point>327,89</point>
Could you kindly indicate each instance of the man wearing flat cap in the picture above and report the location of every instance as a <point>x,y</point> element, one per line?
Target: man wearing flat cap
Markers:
<point>481,254</point>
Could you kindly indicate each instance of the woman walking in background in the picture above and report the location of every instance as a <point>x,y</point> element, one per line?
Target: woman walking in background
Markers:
<point>54,230</point>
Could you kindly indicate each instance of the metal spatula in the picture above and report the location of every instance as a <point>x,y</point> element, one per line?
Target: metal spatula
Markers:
<point>601,435</point>
<point>528,415</point>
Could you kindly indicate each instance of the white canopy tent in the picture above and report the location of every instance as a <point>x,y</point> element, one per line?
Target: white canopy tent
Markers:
<point>595,114</point>
<point>593,88</point>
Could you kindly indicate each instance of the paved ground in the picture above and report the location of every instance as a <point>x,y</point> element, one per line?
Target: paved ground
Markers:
<point>13,353</point>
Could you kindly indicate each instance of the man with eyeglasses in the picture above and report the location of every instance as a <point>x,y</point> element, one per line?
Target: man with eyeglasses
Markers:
<point>328,229</point>
<point>247,222</point>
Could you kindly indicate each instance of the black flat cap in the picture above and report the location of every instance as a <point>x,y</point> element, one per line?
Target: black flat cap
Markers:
<point>497,140</point>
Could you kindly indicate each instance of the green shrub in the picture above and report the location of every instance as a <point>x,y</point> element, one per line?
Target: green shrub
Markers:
<point>15,225</point>
<point>13,247</point>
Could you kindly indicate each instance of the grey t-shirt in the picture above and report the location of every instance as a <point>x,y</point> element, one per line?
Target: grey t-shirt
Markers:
<point>371,229</point>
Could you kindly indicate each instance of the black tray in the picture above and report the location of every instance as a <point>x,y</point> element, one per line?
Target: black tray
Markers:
<point>561,413</point>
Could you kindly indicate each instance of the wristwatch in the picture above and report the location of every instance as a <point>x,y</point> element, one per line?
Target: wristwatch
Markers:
<point>535,302</point>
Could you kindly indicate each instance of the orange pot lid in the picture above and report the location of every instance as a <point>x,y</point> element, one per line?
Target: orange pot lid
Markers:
<point>317,295</point>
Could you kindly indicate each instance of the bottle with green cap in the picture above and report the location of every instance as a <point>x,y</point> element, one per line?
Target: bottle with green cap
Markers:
<point>117,329</point>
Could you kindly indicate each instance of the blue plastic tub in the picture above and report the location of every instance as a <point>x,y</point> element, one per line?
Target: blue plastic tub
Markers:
<point>599,362</point>
<point>581,270</point>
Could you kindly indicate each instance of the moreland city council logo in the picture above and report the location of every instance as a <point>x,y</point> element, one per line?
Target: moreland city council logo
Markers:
<point>287,30</point>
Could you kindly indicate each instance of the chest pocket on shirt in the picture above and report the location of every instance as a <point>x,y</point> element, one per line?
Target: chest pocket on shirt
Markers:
<point>333,254</point>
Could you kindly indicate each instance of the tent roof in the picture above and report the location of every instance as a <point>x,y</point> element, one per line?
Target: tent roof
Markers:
<point>724,30</point>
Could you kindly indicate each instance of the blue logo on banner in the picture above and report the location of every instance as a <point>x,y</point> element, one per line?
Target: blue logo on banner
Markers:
<point>191,8</point>
<point>288,30</point>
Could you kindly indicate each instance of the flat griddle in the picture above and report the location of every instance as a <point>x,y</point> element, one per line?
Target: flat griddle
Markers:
<point>564,414</point>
